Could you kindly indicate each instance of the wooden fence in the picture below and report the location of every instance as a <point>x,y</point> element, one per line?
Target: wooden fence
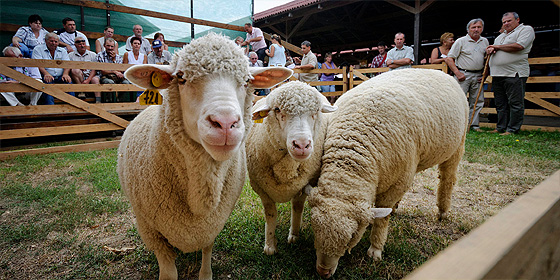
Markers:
<point>521,242</point>
<point>111,116</point>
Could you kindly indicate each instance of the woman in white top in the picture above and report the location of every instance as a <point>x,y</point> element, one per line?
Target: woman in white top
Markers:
<point>276,52</point>
<point>100,42</point>
<point>135,56</point>
<point>27,37</point>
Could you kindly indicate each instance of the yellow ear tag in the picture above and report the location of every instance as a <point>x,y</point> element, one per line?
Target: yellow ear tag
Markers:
<point>156,79</point>
<point>151,97</point>
<point>262,114</point>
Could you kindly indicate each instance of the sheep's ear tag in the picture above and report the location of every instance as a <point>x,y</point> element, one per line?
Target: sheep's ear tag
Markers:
<point>262,114</point>
<point>152,96</point>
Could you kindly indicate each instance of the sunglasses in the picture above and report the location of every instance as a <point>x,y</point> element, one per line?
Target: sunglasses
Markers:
<point>80,41</point>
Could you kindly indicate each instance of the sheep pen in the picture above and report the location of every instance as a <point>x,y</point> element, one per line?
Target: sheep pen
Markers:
<point>63,216</point>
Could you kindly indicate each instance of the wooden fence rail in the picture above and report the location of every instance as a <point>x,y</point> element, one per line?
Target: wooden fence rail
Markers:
<point>110,114</point>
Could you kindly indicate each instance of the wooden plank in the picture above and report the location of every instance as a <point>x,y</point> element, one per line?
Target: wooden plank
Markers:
<point>538,94</point>
<point>62,149</point>
<point>5,126</point>
<point>528,112</point>
<point>135,11</point>
<point>344,79</point>
<point>351,78</point>
<point>46,110</point>
<point>360,75</point>
<point>52,90</point>
<point>543,79</point>
<point>544,60</point>
<point>47,131</point>
<point>51,63</point>
<point>520,242</point>
<point>9,87</point>
<point>285,44</point>
<point>545,104</point>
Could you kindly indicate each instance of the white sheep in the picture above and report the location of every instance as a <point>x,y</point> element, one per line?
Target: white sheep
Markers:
<point>284,152</point>
<point>183,164</point>
<point>384,132</point>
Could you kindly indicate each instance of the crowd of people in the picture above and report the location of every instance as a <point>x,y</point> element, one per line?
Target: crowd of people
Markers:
<point>34,41</point>
<point>465,57</point>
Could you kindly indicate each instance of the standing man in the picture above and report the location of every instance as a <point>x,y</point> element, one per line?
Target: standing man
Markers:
<point>307,62</point>
<point>255,38</point>
<point>466,60</point>
<point>159,55</point>
<point>509,67</point>
<point>146,47</point>
<point>66,38</point>
<point>379,60</point>
<point>401,56</point>
<point>84,76</point>
<point>51,50</point>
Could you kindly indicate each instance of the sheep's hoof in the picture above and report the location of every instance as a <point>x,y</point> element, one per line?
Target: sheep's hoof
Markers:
<point>374,253</point>
<point>270,250</point>
<point>292,238</point>
<point>442,216</point>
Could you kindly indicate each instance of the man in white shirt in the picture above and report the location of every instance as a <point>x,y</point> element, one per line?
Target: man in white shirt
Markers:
<point>509,67</point>
<point>255,38</point>
<point>401,56</point>
<point>66,38</point>
<point>84,76</point>
<point>146,47</point>
<point>466,60</point>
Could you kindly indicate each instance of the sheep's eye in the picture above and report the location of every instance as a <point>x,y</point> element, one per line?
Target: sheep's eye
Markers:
<point>277,110</point>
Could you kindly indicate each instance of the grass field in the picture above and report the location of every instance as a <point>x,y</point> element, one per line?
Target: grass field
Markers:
<point>60,213</point>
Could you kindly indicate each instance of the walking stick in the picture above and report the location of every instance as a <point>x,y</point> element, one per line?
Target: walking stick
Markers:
<point>484,76</point>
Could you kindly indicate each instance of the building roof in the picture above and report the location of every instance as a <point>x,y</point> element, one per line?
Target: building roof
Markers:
<point>284,8</point>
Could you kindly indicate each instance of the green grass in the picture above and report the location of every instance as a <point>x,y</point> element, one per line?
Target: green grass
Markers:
<point>62,209</point>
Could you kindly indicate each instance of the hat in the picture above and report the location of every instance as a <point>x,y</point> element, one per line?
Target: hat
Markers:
<point>156,44</point>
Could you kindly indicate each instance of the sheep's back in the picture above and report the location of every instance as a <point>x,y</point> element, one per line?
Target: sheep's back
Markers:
<point>399,120</point>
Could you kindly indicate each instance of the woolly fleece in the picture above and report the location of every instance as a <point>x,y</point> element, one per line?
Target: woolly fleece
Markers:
<point>180,195</point>
<point>385,131</point>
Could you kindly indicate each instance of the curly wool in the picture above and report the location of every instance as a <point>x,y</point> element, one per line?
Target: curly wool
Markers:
<point>211,54</point>
<point>296,98</point>
<point>384,131</point>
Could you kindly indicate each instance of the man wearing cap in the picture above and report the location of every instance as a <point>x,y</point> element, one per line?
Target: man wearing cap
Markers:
<point>84,76</point>
<point>159,55</point>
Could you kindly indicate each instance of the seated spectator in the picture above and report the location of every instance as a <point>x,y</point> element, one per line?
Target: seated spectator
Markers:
<point>112,76</point>
<point>255,62</point>
<point>135,56</point>
<point>146,47</point>
<point>440,53</point>
<point>84,76</point>
<point>109,31</point>
<point>159,55</point>
<point>32,72</point>
<point>28,37</point>
<point>161,38</point>
<point>239,41</point>
<point>66,38</point>
<point>51,50</point>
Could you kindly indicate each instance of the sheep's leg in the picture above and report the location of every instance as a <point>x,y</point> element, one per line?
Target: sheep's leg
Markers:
<point>297,212</point>
<point>206,268</point>
<point>162,249</point>
<point>447,179</point>
<point>270,214</point>
<point>380,228</point>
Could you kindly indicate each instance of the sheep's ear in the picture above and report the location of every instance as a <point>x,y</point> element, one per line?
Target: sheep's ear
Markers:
<point>267,77</point>
<point>150,76</point>
<point>380,212</point>
<point>326,105</point>
<point>261,109</point>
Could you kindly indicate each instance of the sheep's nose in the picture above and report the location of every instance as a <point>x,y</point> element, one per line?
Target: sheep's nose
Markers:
<point>324,273</point>
<point>224,122</point>
<point>301,145</point>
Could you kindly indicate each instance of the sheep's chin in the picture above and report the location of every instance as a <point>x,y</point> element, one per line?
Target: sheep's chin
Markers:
<point>221,152</point>
<point>326,265</point>
<point>299,158</point>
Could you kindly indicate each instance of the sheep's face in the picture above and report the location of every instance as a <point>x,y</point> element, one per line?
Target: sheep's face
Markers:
<point>338,227</point>
<point>212,112</point>
<point>294,110</point>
